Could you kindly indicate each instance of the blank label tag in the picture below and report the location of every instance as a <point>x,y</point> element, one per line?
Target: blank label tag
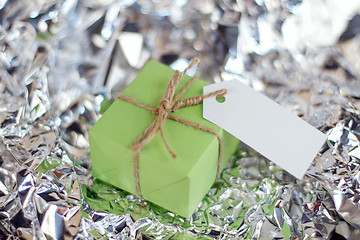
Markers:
<point>264,125</point>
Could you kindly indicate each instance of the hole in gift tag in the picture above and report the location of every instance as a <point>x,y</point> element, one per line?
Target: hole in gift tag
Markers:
<point>220,99</point>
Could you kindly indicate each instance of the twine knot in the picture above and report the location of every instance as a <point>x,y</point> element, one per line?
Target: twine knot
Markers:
<point>171,103</point>
<point>166,105</point>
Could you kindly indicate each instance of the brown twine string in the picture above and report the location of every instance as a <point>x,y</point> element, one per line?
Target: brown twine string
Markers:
<point>170,103</point>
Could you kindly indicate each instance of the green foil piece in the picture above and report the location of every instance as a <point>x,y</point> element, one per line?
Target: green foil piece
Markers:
<point>175,184</point>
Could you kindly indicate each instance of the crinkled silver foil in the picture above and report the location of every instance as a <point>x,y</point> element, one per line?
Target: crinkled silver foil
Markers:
<point>60,59</point>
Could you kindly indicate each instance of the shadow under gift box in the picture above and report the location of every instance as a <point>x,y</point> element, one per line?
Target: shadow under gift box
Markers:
<point>177,184</point>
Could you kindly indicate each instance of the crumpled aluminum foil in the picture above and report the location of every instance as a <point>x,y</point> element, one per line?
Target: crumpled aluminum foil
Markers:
<point>60,59</point>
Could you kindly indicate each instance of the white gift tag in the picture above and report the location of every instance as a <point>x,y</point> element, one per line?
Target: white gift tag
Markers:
<point>264,125</point>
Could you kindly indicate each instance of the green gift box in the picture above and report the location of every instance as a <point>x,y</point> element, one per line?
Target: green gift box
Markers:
<point>177,184</point>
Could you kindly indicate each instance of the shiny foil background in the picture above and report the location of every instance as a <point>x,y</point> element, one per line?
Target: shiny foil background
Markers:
<point>61,60</point>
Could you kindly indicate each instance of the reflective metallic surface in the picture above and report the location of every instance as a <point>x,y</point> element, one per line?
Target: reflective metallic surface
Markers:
<point>60,59</point>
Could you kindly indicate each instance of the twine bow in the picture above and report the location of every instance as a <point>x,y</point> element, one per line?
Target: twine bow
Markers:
<point>169,104</point>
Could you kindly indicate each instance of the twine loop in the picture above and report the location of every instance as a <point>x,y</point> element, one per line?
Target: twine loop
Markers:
<point>171,103</point>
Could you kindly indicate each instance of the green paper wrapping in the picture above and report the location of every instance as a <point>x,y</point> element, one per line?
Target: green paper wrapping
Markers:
<point>175,184</point>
